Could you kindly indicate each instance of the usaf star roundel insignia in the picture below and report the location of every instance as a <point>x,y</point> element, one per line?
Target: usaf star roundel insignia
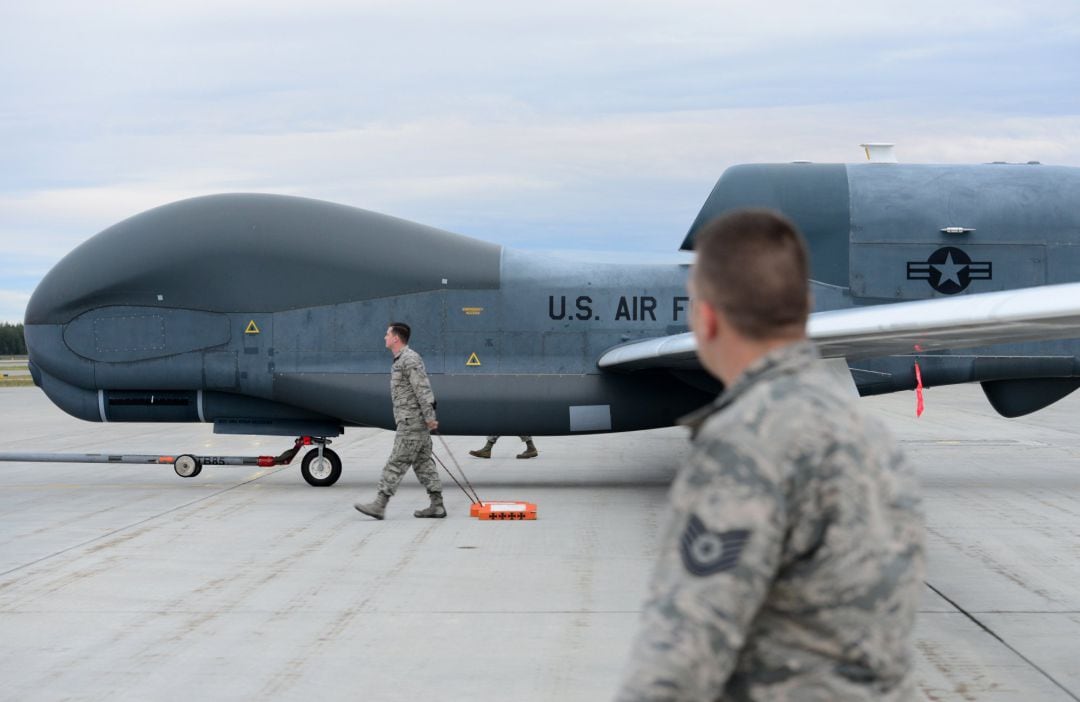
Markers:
<point>949,270</point>
<point>706,552</point>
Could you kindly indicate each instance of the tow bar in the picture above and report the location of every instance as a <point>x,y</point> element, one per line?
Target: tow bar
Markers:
<point>320,467</point>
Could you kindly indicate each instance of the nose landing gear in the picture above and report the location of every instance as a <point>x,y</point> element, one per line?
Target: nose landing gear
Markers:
<point>321,467</point>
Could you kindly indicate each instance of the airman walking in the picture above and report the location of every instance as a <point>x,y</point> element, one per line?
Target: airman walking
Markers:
<point>529,452</point>
<point>414,413</point>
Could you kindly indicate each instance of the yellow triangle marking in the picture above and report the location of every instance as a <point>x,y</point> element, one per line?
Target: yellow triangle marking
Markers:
<point>473,360</point>
<point>251,328</point>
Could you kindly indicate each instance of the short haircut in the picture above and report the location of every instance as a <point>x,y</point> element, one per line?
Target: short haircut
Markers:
<point>401,330</point>
<point>752,264</point>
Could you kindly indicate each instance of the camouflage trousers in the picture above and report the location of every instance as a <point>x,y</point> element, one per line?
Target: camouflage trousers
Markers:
<point>412,449</point>
<point>495,437</point>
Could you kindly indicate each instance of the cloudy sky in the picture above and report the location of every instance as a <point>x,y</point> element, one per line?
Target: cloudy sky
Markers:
<point>566,125</point>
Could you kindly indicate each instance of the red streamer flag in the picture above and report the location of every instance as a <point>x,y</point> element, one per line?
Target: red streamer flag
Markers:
<point>919,406</point>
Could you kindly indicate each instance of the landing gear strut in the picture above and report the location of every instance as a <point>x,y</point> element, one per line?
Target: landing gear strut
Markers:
<point>321,467</point>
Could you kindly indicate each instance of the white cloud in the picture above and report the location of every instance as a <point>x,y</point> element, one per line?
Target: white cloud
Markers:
<point>567,124</point>
<point>610,166</point>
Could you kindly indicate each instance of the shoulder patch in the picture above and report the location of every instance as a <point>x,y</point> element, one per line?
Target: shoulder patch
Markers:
<point>706,552</point>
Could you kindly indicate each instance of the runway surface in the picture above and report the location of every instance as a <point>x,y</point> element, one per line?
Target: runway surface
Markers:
<point>127,582</point>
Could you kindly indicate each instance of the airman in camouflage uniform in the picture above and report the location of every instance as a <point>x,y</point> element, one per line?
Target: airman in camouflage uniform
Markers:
<point>529,452</point>
<point>414,414</point>
<point>792,558</point>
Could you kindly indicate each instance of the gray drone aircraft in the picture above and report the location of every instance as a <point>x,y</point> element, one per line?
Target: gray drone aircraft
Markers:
<point>265,314</point>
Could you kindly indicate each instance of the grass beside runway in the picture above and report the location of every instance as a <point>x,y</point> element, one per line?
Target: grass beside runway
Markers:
<point>16,382</point>
<point>14,373</point>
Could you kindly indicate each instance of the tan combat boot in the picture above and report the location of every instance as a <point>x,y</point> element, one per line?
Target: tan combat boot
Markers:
<point>484,452</point>
<point>435,511</point>
<point>375,509</point>
<point>529,452</point>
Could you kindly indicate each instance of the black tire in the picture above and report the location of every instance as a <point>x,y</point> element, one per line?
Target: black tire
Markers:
<point>187,466</point>
<point>324,474</point>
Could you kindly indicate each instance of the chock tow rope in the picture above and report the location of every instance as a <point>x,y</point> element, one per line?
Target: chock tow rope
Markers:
<point>504,509</point>
<point>473,498</point>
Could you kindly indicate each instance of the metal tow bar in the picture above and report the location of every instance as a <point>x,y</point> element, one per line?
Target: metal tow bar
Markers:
<point>321,466</point>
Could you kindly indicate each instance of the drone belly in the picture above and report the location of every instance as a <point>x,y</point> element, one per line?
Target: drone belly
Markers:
<point>560,404</point>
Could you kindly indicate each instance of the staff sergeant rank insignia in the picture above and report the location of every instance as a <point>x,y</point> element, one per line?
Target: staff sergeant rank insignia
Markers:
<point>706,552</point>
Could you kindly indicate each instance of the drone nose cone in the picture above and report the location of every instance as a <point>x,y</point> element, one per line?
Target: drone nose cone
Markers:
<point>49,358</point>
<point>49,354</point>
<point>46,301</point>
<point>66,378</point>
<point>95,273</point>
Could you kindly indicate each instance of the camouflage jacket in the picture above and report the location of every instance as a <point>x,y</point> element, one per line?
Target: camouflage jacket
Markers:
<point>792,560</point>
<point>410,389</point>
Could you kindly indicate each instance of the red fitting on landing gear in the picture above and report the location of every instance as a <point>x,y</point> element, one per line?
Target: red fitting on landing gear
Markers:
<point>267,461</point>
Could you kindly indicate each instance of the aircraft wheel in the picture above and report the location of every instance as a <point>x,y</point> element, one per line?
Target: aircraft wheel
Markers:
<point>321,472</point>
<point>187,466</point>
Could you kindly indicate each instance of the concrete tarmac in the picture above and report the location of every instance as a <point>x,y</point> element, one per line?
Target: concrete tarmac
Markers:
<point>128,582</point>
